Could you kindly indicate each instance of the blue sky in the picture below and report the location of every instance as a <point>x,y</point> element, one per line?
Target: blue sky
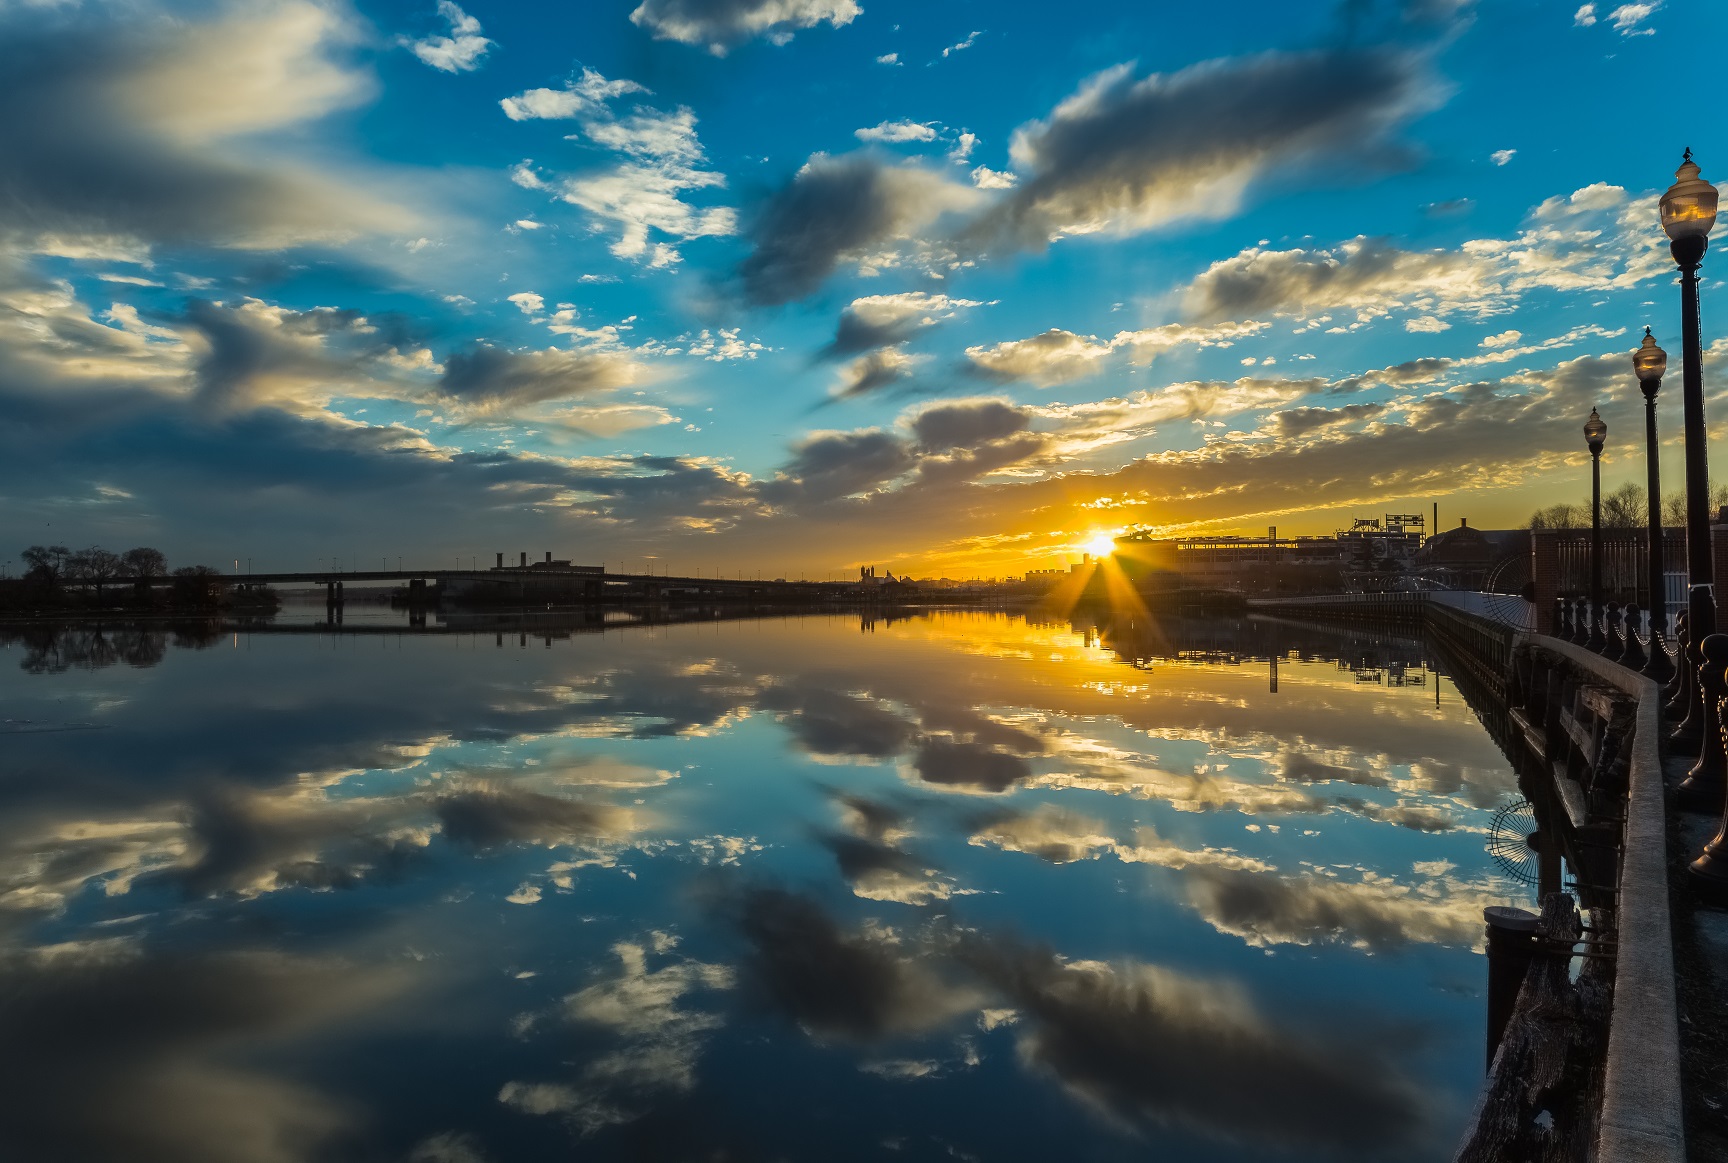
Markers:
<point>810,284</point>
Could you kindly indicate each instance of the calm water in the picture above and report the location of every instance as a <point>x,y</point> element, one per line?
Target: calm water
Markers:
<point>959,886</point>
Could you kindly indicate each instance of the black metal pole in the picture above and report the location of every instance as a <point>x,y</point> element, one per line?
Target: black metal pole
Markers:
<point>1596,641</point>
<point>1657,665</point>
<point>1700,591</point>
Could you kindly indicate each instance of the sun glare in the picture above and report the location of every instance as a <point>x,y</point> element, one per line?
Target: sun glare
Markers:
<point>1100,545</point>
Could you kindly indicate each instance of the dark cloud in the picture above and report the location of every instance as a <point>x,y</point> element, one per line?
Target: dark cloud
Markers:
<point>832,465</point>
<point>874,371</point>
<point>488,817</point>
<point>1266,909</point>
<point>1154,1047</point>
<point>1367,272</point>
<point>1306,769</point>
<point>853,986</point>
<point>1293,422</point>
<point>827,722</point>
<point>833,209</point>
<point>117,1054</point>
<point>719,25</point>
<point>117,128</point>
<point>967,423</point>
<point>492,379</point>
<point>970,766</point>
<point>1128,153</point>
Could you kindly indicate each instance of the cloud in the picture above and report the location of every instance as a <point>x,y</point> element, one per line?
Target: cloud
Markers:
<point>857,986</point>
<point>117,1053</point>
<point>892,58</point>
<point>896,131</point>
<point>885,320</point>
<point>460,52</point>
<point>1154,1047</point>
<point>963,45</point>
<point>1057,356</point>
<point>1585,16</point>
<point>1427,325</point>
<point>488,816</point>
<point>1628,17</point>
<point>486,380</point>
<point>986,178</point>
<point>1595,239</point>
<point>659,1040</point>
<point>1501,156</point>
<point>123,133</point>
<point>721,25</point>
<point>1503,339</point>
<point>872,371</point>
<point>644,194</point>
<point>1127,154</point>
<point>838,209</point>
<point>1372,913</point>
<point>967,423</point>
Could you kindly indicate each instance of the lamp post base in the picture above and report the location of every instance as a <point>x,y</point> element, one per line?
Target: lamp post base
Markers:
<point>1657,667</point>
<point>1709,873</point>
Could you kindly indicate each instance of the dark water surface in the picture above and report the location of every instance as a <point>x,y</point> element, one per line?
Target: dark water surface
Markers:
<point>956,886</point>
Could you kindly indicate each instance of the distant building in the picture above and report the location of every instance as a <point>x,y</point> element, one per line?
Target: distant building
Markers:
<point>1370,555</point>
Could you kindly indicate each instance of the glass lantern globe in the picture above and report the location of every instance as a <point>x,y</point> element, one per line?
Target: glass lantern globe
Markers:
<point>1649,361</point>
<point>1689,206</point>
<point>1595,431</point>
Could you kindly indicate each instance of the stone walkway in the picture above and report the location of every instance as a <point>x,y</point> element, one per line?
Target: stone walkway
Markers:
<point>1701,980</point>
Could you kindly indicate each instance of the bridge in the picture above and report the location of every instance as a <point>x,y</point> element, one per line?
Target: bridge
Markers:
<point>539,582</point>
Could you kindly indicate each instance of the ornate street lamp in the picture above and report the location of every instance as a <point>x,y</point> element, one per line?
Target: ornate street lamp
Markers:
<point>1595,432</point>
<point>1649,362</point>
<point>1688,213</point>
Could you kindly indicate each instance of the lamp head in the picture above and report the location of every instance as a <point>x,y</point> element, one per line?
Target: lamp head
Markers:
<point>1595,432</point>
<point>1649,361</point>
<point>1689,206</point>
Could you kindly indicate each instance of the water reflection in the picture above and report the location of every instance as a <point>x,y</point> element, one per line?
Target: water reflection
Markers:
<point>744,888</point>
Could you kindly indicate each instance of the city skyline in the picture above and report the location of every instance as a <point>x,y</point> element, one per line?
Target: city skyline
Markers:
<point>804,286</point>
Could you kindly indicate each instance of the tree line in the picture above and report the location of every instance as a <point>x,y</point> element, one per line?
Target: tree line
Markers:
<point>1624,508</point>
<point>55,574</point>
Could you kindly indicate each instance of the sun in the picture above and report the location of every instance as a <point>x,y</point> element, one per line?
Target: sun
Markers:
<point>1100,545</point>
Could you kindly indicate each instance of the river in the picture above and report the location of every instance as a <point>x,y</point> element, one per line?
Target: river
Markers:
<point>948,885</point>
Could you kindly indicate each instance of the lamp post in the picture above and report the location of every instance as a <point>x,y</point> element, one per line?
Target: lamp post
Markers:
<point>1688,212</point>
<point>1649,362</point>
<point>1595,432</point>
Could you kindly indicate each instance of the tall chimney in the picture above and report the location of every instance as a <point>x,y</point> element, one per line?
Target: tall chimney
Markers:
<point>1463,522</point>
<point>500,561</point>
<point>548,557</point>
<point>524,559</point>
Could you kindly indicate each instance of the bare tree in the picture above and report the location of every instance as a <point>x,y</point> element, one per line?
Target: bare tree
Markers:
<point>144,562</point>
<point>1624,508</point>
<point>1561,516</point>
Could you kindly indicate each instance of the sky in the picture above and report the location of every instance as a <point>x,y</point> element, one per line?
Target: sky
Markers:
<point>802,285</point>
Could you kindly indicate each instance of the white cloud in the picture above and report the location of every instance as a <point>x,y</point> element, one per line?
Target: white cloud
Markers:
<point>986,178</point>
<point>1057,356</point>
<point>963,146</point>
<point>896,131</point>
<point>963,45</point>
<point>721,25</point>
<point>586,94</point>
<point>460,52</point>
<point>1504,339</point>
<point>528,302</point>
<point>638,196</point>
<point>1426,324</point>
<point>1501,156</point>
<point>1628,17</point>
<point>890,58</point>
<point>1585,16</point>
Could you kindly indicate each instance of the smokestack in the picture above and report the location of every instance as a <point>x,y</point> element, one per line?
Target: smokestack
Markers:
<point>548,557</point>
<point>500,560</point>
<point>1463,522</point>
<point>524,559</point>
<point>1436,525</point>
